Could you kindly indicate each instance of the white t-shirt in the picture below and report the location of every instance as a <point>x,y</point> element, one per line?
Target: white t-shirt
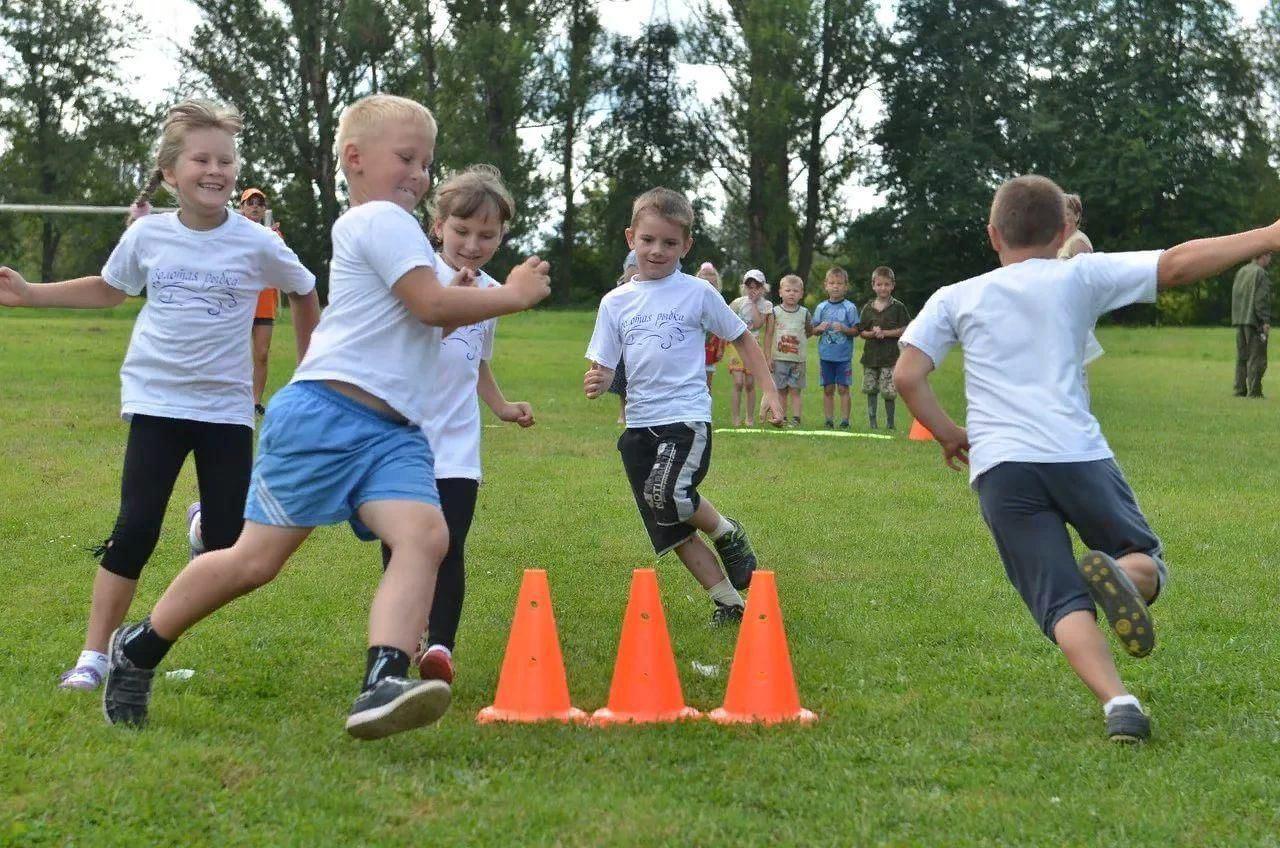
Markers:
<point>452,421</point>
<point>1024,330</point>
<point>742,306</point>
<point>661,324</point>
<point>367,337</point>
<point>190,355</point>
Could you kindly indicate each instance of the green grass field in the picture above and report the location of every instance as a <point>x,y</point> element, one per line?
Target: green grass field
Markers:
<point>945,717</point>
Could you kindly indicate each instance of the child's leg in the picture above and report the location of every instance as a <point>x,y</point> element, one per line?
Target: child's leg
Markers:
<point>796,403</point>
<point>224,463</point>
<point>890,392</point>
<point>156,449</point>
<point>844,403</point>
<point>871,409</point>
<point>829,402</point>
<point>701,561</point>
<point>1089,655</point>
<point>418,538</point>
<point>735,405</point>
<point>784,392</point>
<point>749,382</point>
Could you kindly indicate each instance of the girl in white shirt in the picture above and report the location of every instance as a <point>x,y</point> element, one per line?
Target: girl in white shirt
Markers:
<point>470,215</point>
<point>186,379</point>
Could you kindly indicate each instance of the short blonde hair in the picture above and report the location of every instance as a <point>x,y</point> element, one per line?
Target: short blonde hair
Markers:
<point>837,273</point>
<point>790,279</point>
<point>189,115</point>
<point>1075,207</point>
<point>369,113</point>
<point>884,272</point>
<point>1029,211</point>
<point>665,203</point>
<point>478,187</point>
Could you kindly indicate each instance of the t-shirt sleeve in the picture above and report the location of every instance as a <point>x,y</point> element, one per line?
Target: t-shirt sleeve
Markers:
<point>605,346</point>
<point>281,268</point>
<point>123,271</point>
<point>1114,280</point>
<point>393,244</point>
<point>719,319</point>
<point>932,331</point>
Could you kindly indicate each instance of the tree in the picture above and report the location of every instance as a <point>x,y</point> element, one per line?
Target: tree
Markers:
<point>73,135</point>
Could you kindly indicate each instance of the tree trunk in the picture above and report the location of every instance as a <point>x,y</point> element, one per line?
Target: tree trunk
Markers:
<point>813,154</point>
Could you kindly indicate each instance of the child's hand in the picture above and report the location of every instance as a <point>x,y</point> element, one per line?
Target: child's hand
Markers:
<point>771,409</point>
<point>878,332</point>
<point>531,280</point>
<point>466,277</point>
<point>955,447</point>
<point>14,290</point>
<point>517,412</point>
<point>822,328</point>
<point>596,380</point>
<point>837,326</point>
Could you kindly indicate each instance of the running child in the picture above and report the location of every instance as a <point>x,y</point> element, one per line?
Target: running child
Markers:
<point>1036,454</point>
<point>755,310</point>
<point>343,441</point>
<point>790,353</point>
<point>883,322</point>
<point>469,214</point>
<point>186,378</point>
<point>658,319</point>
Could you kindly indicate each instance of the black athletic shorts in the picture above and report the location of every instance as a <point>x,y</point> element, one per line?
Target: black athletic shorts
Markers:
<point>665,464</point>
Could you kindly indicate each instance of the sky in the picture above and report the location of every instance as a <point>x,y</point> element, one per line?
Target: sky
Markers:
<point>170,23</point>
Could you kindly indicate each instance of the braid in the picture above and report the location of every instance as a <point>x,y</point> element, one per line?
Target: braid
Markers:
<point>144,196</point>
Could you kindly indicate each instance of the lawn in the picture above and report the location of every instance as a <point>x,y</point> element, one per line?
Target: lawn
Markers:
<point>945,717</point>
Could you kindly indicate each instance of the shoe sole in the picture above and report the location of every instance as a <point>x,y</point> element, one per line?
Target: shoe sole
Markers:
<point>1126,739</point>
<point>420,706</point>
<point>435,667</point>
<point>1124,608</point>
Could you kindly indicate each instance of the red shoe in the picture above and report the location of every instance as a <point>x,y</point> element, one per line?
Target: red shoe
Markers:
<point>436,663</point>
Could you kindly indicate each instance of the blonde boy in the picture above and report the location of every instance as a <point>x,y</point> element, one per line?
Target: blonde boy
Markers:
<point>342,441</point>
<point>836,320</point>
<point>659,319</point>
<point>1036,455</point>
<point>791,330</point>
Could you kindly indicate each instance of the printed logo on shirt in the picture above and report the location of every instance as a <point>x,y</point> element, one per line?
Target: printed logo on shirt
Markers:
<point>217,290</point>
<point>788,344</point>
<point>664,327</point>
<point>469,339</point>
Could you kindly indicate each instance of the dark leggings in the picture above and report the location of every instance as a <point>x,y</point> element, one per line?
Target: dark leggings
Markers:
<point>154,455</point>
<point>458,503</point>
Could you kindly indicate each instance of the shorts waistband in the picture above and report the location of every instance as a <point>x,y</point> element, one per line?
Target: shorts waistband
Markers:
<point>322,391</point>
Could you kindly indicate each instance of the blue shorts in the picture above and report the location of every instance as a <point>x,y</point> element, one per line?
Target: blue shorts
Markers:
<point>322,456</point>
<point>839,373</point>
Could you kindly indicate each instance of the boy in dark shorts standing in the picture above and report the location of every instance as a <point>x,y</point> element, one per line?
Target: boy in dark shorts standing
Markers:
<point>1036,454</point>
<point>659,319</point>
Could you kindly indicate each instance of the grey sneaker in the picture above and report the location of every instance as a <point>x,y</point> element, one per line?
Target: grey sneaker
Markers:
<point>128,688</point>
<point>725,614</point>
<point>1128,724</point>
<point>1126,611</point>
<point>195,540</point>
<point>397,704</point>
<point>737,556</point>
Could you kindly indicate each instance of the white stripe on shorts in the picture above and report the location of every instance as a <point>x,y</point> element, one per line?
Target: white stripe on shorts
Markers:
<point>684,503</point>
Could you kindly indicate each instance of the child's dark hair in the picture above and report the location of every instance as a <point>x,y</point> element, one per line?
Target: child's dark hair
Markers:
<point>478,188</point>
<point>196,114</point>
<point>884,272</point>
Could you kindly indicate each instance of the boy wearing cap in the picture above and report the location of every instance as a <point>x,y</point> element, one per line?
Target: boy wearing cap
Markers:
<point>756,312</point>
<point>836,322</point>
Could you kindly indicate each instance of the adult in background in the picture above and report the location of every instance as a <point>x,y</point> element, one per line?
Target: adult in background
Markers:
<point>1251,316</point>
<point>253,205</point>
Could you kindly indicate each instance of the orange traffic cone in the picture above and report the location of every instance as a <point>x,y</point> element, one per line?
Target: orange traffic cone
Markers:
<point>919,432</point>
<point>761,684</point>
<point>532,685</point>
<point>646,687</point>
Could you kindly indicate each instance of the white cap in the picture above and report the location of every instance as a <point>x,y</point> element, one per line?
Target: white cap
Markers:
<point>754,274</point>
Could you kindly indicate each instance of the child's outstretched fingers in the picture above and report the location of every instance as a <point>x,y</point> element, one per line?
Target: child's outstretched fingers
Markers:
<point>771,410</point>
<point>465,277</point>
<point>531,279</point>
<point>13,288</point>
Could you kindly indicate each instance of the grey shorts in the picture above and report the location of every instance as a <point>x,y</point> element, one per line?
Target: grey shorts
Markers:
<point>1028,506</point>
<point>788,375</point>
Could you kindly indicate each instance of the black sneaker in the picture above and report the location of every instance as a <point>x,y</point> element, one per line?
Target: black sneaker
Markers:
<point>128,688</point>
<point>725,614</point>
<point>396,704</point>
<point>844,423</point>
<point>829,424</point>
<point>736,555</point>
<point>1125,609</point>
<point>1127,724</point>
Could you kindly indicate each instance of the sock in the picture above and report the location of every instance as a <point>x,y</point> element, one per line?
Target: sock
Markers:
<point>384,661</point>
<point>888,413</point>
<point>723,527</point>
<point>724,594</point>
<point>143,646</point>
<point>1117,701</point>
<point>871,409</point>
<point>93,660</point>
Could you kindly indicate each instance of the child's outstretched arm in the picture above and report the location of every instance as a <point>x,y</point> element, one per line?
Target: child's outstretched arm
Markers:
<point>456,306</point>
<point>753,357</point>
<point>306,315</point>
<point>1192,261</point>
<point>596,381</point>
<point>80,293</point>
<point>517,412</point>
<point>911,376</point>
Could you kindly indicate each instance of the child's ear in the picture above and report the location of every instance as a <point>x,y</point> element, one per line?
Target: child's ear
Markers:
<point>688,245</point>
<point>994,235</point>
<point>631,238</point>
<point>350,157</point>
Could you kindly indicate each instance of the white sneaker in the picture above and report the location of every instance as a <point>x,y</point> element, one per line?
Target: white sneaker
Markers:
<point>194,538</point>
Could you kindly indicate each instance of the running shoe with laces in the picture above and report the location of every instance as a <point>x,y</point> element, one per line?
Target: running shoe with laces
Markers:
<point>397,704</point>
<point>127,692</point>
<point>737,556</point>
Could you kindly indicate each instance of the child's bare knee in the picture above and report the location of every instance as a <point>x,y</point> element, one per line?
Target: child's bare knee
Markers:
<point>428,542</point>
<point>258,571</point>
<point>844,391</point>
